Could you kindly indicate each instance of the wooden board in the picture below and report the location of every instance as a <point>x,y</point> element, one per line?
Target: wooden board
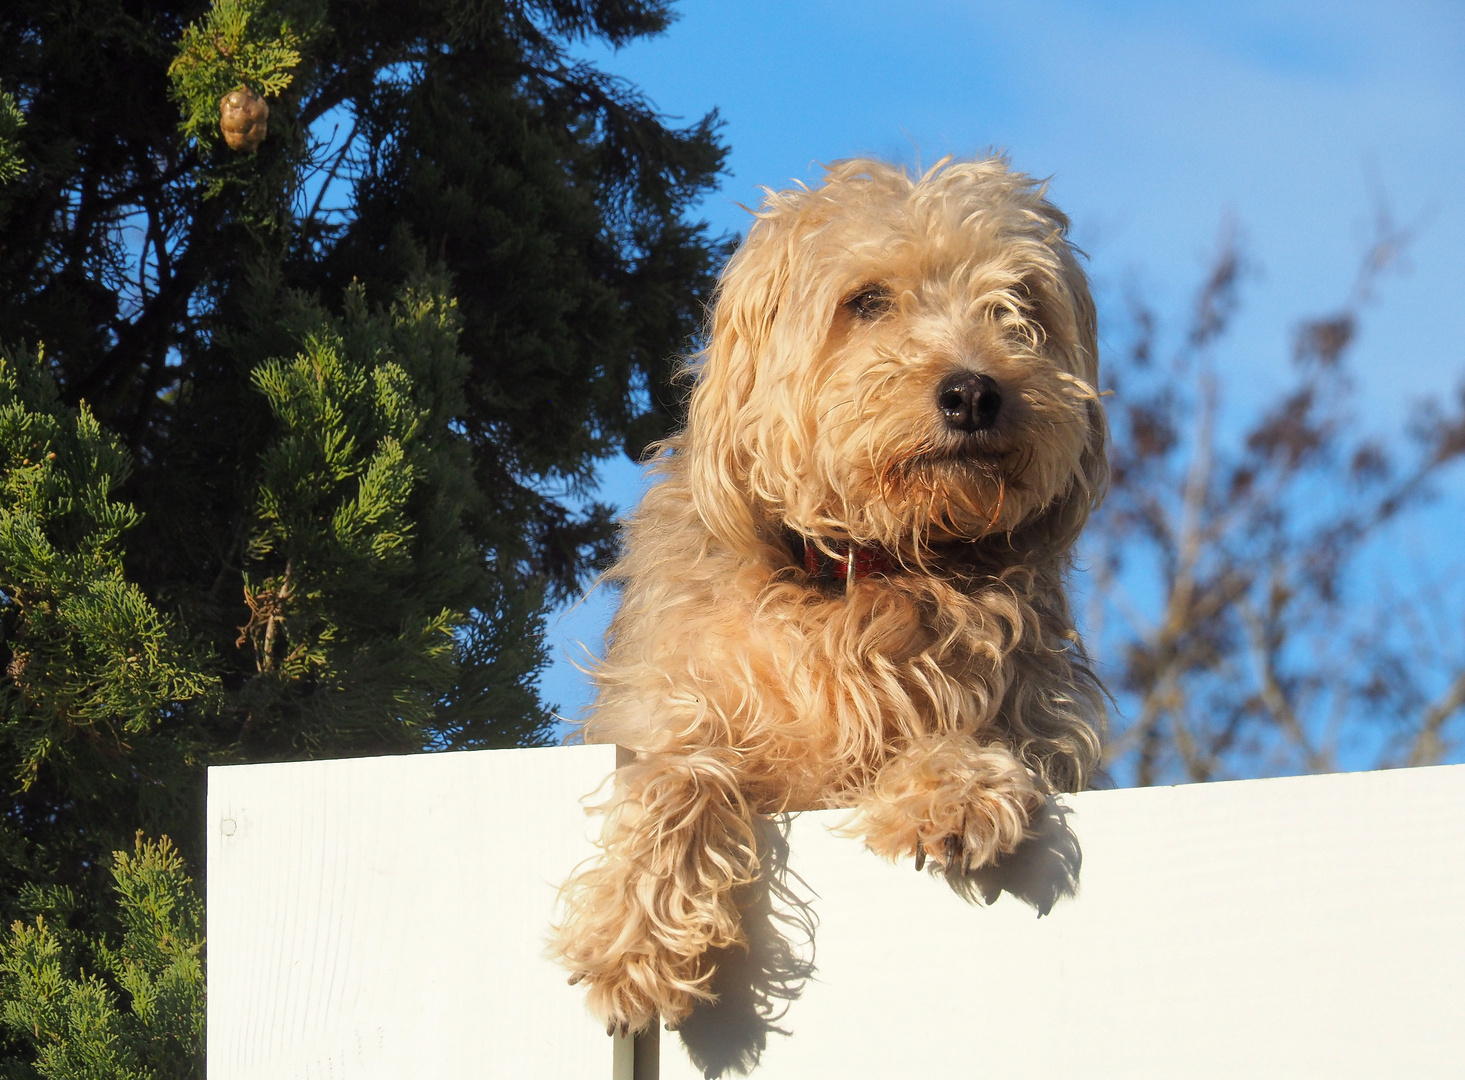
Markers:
<point>386,918</point>
<point>1309,927</point>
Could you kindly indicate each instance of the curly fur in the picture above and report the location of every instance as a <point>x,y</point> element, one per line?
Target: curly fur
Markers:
<point>941,700</point>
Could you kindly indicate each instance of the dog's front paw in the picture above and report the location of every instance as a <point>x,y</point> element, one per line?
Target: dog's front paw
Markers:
<point>625,1006</point>
<point>640,921</point>
<point>629,987</point>
<point>633,945</point>
<point>949,799</point>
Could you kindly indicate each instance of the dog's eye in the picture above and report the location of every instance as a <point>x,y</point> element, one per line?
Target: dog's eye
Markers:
<point>870,302</point>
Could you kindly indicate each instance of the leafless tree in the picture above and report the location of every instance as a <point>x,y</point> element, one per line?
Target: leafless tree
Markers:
<point>1249,599</point>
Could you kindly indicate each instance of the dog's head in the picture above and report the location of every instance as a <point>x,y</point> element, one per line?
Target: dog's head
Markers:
<point>902,362</point>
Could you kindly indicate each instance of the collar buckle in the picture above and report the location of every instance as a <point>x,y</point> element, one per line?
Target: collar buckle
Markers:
<point>856,562</point>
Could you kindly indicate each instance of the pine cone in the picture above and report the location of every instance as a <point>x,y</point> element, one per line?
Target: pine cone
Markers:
<point>244,119</point>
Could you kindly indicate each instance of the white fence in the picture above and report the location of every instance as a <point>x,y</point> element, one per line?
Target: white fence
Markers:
<point>386,917</point>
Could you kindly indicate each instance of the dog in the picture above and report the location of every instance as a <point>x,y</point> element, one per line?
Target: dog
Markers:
<point>846,587</point>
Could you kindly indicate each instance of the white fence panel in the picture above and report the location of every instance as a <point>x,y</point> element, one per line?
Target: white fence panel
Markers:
<point>386,918</point>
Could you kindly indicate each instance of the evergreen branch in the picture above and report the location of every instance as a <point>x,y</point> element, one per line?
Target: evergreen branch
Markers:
<point>251,43</point>
<point>12,163</point>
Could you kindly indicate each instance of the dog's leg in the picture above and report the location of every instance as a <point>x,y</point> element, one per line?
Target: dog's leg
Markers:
<point>678,839</point>
<point>949,797</point>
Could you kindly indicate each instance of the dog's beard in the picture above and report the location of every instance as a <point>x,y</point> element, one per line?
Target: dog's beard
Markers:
<point>908,491</point>
<point>956,492</point>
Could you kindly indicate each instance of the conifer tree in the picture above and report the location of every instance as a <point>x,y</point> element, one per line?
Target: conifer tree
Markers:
<point>315,317</point>
<point>11,121</point>
<point>57,1004</point>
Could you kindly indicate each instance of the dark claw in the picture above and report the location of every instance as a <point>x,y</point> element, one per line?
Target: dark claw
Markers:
<point>625,1028</point>
<point>953,848</point>
<point>573,979</point>
<point>920,855</point>
<point>610,1028</point>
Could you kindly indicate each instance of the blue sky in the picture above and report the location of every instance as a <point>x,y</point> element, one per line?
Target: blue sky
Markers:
<point>1156,122</point>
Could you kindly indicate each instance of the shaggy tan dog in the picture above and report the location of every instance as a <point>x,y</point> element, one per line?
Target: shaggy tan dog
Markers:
<point>847,587</point>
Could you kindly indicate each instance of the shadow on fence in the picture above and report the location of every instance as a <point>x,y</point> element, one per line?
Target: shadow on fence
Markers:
<point>1042,872</point>
<point>756,987</point>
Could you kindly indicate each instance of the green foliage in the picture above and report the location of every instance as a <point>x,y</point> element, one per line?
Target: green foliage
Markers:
<point>256,44</point>
<point>125,1005</point>
<point>12,165</point>
<point>306,454</point>
<point>366,591</point>
<point>90,661</point>
<point>253,43</point>
<point>514,191</point>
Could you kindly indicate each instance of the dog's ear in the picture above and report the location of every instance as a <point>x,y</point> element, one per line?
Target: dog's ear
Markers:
<point>720,433</point>
<point>1084,361</point>
<point>1055,303</point>
<point>1063,307</point>
<point>1072,509</point>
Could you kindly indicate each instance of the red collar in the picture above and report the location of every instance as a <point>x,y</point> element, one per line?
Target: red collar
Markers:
<point>853,562</point>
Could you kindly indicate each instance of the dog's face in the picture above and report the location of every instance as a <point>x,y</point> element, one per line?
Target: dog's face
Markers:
<point>901,363</point>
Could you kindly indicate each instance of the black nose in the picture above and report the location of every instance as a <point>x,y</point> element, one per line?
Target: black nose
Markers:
<point>969,402</point>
